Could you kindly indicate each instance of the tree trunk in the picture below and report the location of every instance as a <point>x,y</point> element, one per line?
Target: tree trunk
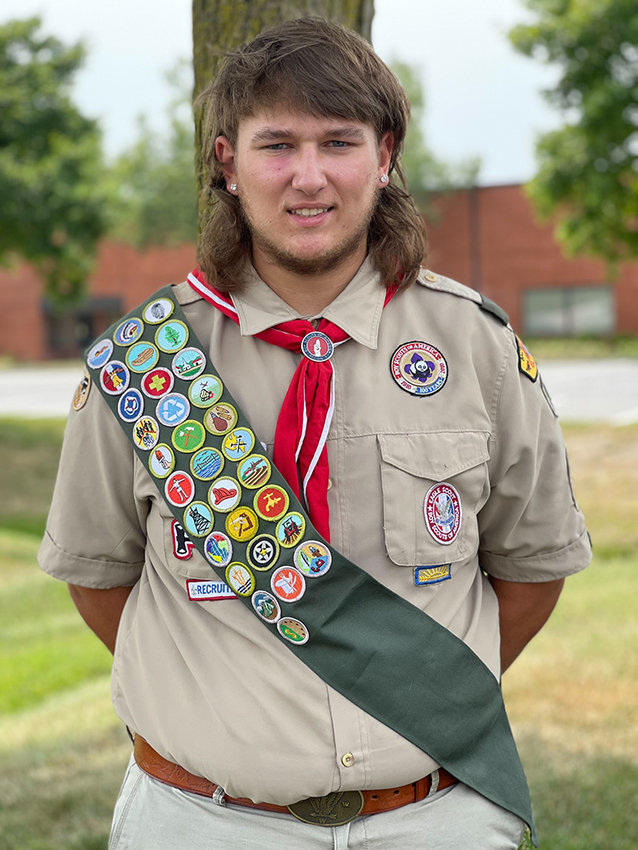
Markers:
<point>220,25</point>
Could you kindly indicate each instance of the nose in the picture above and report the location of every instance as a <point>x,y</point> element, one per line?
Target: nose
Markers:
<point>309,176</point>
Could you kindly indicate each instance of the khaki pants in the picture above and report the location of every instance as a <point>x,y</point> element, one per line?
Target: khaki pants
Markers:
<point>150,815</point>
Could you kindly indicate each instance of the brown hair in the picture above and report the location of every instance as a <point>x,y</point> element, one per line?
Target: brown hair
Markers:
<point>314,66</point>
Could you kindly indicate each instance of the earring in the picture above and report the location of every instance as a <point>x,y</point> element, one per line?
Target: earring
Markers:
<point>233,187</point>
<point>384,178</point>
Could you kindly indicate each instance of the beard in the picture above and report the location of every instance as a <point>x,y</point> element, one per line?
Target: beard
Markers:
<point>306,265</point>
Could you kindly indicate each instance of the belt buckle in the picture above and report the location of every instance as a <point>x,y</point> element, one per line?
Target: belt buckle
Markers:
<point>331,810</point>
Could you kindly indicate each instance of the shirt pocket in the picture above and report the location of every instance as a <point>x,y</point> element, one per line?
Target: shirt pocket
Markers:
<point>413,464</point>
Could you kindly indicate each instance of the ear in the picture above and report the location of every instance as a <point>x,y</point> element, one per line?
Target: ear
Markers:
<point>386,144</point>
<point>225,154</point>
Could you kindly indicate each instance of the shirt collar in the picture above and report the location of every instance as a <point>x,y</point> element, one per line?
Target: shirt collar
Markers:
<point>357,309</point>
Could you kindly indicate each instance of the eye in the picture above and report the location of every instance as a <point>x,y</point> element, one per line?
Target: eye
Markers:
<point>277,146</point>
<point>338,143</point>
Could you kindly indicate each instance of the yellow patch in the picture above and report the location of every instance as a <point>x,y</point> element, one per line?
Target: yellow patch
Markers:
<point>82,392</point>
<point>526,362</point>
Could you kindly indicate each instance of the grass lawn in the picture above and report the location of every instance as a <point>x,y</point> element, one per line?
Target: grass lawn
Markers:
<point>572,696</point>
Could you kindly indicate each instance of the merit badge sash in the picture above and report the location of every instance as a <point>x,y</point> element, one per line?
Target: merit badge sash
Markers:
<point>379,651</point>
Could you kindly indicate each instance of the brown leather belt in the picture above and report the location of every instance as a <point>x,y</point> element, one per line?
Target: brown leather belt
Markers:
<point>332,810</point>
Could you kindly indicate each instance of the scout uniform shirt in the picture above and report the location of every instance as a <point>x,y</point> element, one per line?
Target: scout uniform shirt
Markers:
<point>446,463</point>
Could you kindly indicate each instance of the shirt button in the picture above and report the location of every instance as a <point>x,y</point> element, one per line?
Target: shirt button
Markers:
<point>330,484</point>
<point>347,760</point>
<point>430,276</point>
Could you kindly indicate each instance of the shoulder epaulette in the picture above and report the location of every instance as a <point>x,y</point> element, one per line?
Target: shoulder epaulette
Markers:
<point>440,283</point>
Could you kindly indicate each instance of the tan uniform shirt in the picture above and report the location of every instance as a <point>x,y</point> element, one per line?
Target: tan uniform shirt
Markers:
<point>204,682</point>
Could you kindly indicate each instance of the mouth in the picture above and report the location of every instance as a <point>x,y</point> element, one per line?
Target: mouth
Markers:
<point>309,212</point>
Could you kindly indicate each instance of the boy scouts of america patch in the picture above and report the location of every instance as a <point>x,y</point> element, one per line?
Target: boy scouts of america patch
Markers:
<point>419,368</point>
<point>442,512</point>
<point>526,363</point>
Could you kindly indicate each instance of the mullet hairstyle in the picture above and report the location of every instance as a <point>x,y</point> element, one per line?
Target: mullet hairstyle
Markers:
<point>312,66</point>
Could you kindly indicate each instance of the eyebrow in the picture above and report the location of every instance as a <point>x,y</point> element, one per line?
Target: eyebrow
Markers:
<point>271,134</point>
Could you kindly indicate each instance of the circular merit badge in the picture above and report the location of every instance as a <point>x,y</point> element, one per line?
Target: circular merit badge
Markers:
<point>419,368</point>
<point>161,461</point>
<point>172,409</point>
<point>218,549</point>
<point>146,433</point>
<point>99,353</point>
<point>115,378</point>
<point>293,630</point>
<point>317,346</point>
<point>179,489</point>
<point>224,494</point>
<point>271,502</point>
<point>189,436</point>
<point>207,463</point>
<point>287,584</point>
<point>238,443</point>
<point>262,552</point>
<point>266,606</point>
<point>313,558</point>
<point>290,529</point>
<point>128,331</point>
<point>240,579</point>
<point>157,382</point>
<point>142,356</point>
<point>442,512</point>
<point>242,524</point>
<point>254,471</point>
<point>189,364</point>
<point>131,405</point>
<point>198,519</point>
<point>205,390</point>
<point>220,418</point>
<point>158,310</point>
<point>171,336</point>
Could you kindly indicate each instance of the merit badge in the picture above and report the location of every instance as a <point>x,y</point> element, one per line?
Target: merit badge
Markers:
<point>171,336</point>
<point>182,545</point>
<point>293,630</point>
<point>240,579</point>
<point>99,353</point>
<point>287,584</point>
<point>432,575</point>
<point>172,409</point>
<point>218,549</point>
<point>157,382</point>
<point>526,363</point>
<point>262,552</point>
<point>242,524</point>
<point>238,443</point>
<point>316,346</point>
<point>224,494</point>
<point>254,471</point>
<point>189,364</point>
<point>220,418</point>
<point>146,433</point>
<point>179,489</point>
<point>142,356</point>
<point>313,558</point>
<point>290,529</point>
<point>158,310</point>
<point>266,606</point>
<point>115,377</point>
<point>131,405</point>
<point>198,519</point>
<point>208,591</point>
<point>128,331</point>
<point>205,390</point>
<point>161,461</point>
<point>442,512</point>
<point>207,463</point>
<point>419,368</point>
<point>271,502</point>
<point>189,436</point>
<point>82,392</point>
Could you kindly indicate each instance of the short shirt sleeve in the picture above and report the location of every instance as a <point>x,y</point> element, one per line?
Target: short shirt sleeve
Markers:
<point>95,533</point>
<point>531,527</point>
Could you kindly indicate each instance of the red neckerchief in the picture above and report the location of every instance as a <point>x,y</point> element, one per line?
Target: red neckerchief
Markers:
<point>306,413</point>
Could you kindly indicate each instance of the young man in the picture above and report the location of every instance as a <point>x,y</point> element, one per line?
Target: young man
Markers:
<point>316,499</point>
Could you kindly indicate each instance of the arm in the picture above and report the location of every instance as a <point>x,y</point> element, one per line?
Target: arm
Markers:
<point>524,608</point>
<point>101,609</point>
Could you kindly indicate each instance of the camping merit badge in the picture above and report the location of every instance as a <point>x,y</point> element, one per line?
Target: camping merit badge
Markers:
<point>419,368</point>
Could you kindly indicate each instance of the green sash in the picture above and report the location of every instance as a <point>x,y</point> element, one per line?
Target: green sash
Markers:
<point>379,651</point>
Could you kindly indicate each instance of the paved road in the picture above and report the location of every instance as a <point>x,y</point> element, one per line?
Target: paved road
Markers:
<point>582,390</point>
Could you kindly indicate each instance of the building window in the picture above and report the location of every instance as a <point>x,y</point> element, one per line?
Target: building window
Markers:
<point>569,311</point>
<point>70,328</point>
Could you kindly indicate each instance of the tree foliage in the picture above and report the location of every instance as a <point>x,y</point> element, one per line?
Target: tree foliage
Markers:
<point>153,183</point>
<point>588,169</point>
<point>51,202</point>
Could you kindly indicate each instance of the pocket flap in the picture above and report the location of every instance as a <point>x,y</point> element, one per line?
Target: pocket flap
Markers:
<point>438,455</point>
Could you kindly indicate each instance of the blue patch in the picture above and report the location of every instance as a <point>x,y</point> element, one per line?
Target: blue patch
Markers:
<point>432,575</point>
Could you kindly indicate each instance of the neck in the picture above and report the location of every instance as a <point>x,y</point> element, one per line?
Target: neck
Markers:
<point>307,294</point>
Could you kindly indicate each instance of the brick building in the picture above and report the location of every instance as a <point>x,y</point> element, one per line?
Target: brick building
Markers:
<point>485,237</point>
